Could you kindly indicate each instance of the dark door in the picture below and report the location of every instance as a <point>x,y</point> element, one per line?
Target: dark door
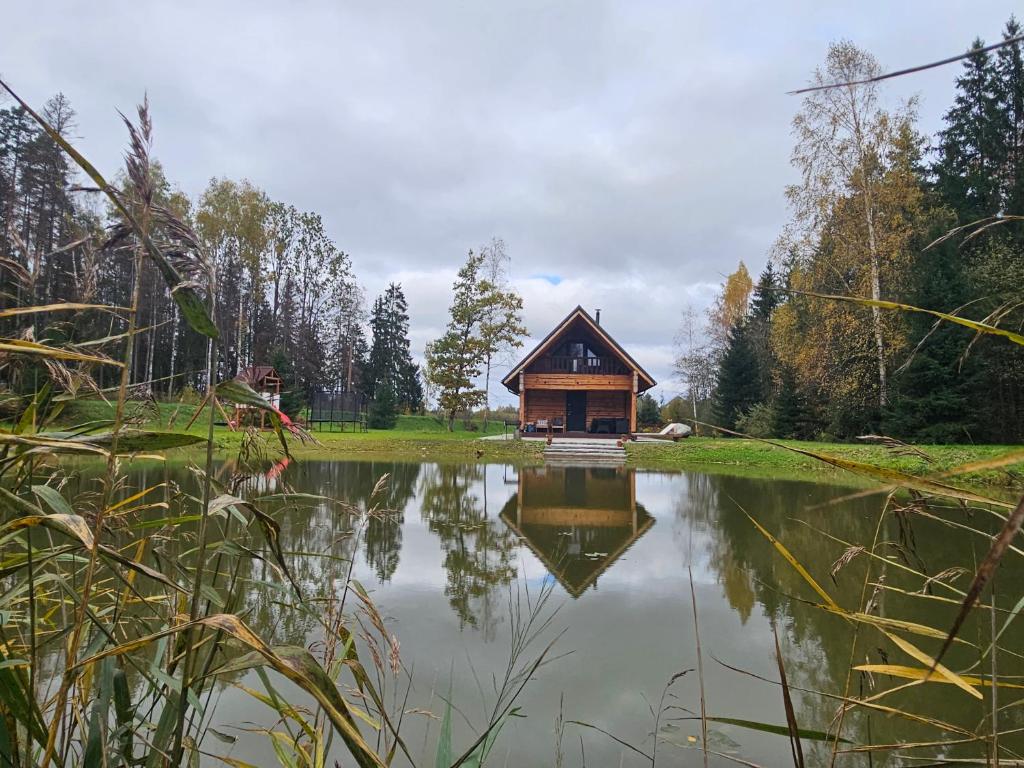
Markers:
<point>576,411</point>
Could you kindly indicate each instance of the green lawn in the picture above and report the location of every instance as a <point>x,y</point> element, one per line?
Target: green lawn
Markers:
<point>757,455</point>
<point>426,437</point>
<point>412,437</point>
<point>177,415</point>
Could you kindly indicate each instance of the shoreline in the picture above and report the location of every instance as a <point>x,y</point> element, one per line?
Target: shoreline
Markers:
<point>745,456</point>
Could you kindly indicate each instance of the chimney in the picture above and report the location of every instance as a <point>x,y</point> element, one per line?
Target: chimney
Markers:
<point>597,317</point>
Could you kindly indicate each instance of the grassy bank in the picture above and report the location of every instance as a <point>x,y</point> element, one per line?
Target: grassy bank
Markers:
<point>931,460</point>
<point>426,437</point>
<point>414,437</point>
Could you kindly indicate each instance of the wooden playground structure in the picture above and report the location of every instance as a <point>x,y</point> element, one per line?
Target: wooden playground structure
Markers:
<point>261,378</point>
<point>267,383</point>
<point>328,409</point>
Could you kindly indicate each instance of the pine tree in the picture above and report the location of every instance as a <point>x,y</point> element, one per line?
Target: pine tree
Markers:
<point>739,386</point>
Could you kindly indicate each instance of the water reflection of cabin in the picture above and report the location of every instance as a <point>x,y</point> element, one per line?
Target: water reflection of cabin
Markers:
<point>578,380</point>
<point>577,520</point>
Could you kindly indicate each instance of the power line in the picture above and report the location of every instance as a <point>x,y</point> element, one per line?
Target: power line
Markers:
<point>912,70</point>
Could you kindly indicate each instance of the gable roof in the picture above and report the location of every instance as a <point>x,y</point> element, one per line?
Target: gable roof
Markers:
<point>510,381</point>
<point>576,572</point>
<point>256,375</point>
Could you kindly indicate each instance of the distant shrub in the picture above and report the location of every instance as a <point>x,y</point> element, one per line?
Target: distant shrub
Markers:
<point>189,395</point>
<point>384,411</point>
<point>758,421</point>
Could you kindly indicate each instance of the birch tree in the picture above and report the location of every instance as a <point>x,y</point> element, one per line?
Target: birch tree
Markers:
<point>696,364</point>
<point>454,361</point>
<point>848,151</point>
<point>501,318</point>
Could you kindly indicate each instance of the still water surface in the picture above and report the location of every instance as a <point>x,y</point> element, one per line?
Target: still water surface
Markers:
<point>617,546</point>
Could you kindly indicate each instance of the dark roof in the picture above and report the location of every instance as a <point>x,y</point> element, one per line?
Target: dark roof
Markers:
<point>256,374</point>
<point>510,380</point>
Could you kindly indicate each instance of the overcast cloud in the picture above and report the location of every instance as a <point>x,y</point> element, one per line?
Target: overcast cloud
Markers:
<point>629,154</point>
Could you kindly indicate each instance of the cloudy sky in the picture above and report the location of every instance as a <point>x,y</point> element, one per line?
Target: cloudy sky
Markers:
<point>629,154</point>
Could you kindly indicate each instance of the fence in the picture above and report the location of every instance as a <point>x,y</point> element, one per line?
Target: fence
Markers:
<point>338,409</point>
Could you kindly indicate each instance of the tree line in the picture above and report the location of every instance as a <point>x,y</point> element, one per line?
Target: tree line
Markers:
<point>285,294</point>
<point>870,214</point>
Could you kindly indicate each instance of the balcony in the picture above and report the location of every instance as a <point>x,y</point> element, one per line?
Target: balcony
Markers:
<point>586,365</point>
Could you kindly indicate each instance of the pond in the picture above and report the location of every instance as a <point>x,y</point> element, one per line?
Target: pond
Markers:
<point>461,545</point>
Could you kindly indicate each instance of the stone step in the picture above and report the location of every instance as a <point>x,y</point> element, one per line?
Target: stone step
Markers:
<point>578,457</point>
<point>584,452</point>
<point>584,446</point>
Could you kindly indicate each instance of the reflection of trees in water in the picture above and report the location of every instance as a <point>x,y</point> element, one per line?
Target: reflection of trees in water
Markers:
<point>383,534</point>
<point>697,511</point>
<point>353,483</point>
<point>693,511</point>
<point>479,553</point>
<point>326,535</point>
<point>817,645</point>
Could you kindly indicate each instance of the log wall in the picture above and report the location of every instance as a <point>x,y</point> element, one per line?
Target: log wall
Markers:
<point>544,404</point>
<point>587,381</point>
<point>549,404</point>
<point>607,405</point>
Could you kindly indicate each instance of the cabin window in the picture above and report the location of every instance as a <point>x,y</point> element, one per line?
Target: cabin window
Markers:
<point>578,349</point>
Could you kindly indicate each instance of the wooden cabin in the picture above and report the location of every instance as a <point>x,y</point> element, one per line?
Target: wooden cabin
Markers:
<point>578,380</point>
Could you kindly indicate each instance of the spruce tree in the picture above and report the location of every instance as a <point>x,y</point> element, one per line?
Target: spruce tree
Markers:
<point>979,173</point>
<point>390,361</point>
<point>766,296</point>
<point>788,410</point>
<point>739,387</point>
<point>766,299</point>
<point>971,147</point>
<point>384,410</point>
<point>1010,91</point>
<point>411,387</point>
<point>648,412</point>
<point>934,401</point>
<point>377,364</point>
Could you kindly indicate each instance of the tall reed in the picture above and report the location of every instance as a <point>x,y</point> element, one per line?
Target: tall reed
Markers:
<point>128,601</point>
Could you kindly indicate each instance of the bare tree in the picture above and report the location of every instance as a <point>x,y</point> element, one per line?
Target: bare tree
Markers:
<point>696,363</point>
